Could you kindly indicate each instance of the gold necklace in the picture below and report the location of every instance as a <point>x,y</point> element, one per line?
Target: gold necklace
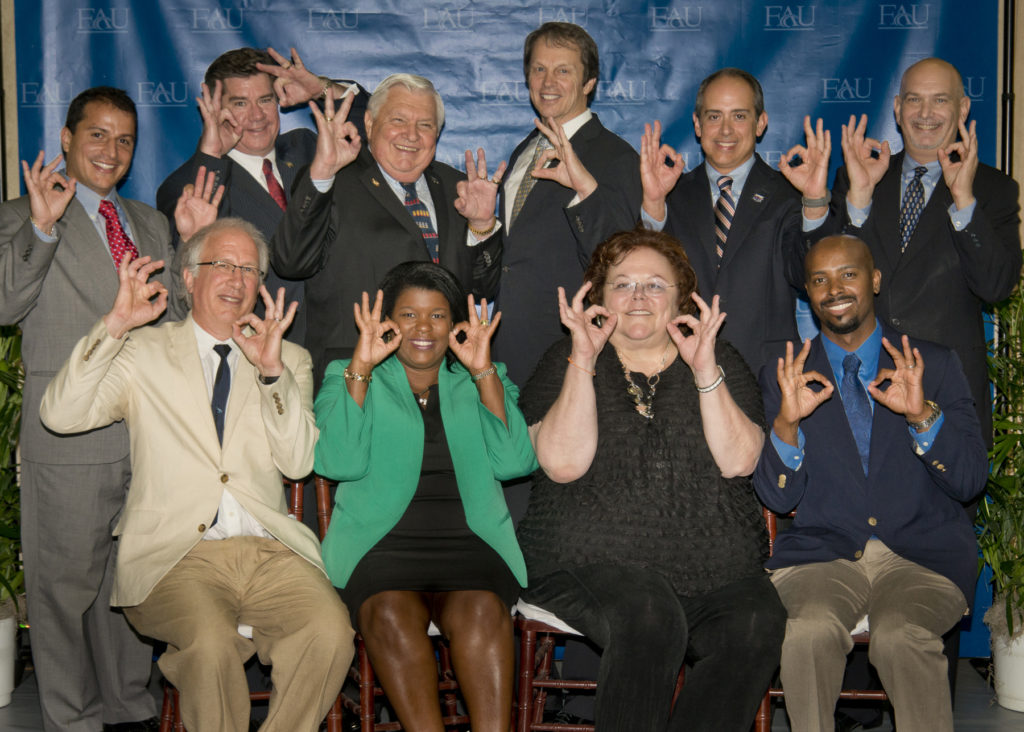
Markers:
<point>422,397</point>
<point>644,405</point>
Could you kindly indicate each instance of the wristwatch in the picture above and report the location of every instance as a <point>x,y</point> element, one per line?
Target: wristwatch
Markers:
<point>928,421</point>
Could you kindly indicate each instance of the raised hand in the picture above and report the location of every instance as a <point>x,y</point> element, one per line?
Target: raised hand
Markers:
<point>372,347</point>
<point>905,394</point>
<point>698,349</point>
<point>587,338</point>
<point>475,350</point>
<point>657,177</point>
<point>811,176</point>
<point>138,301</point>
<point>49,192</point>
<point>263,346</point>
<point>337,142</point>
<point>221,131</point>
<point>959,176</point>
<point>799,400</point>
<point>293,83</point>
<point>198,204</point>
<point>477,194</point>
<point>863,170</point>
<point>568,171</point>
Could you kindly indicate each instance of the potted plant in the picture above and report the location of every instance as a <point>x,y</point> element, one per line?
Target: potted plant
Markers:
<point>1001,517</point>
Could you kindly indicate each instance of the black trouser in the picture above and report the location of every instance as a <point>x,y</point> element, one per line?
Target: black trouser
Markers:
<point>730,637</point>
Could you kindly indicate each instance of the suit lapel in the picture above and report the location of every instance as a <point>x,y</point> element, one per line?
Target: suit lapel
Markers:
<point>377,185</point>
<point>754,202</point>
<point>513,159</point>
<point>243,381</point>
<point>703,216</point>
<point>285,166</point>
<point>184,356</point>
<point>449,234</point>
<point>885,210</point>
<point>90,250</point>
<point>933,217</point>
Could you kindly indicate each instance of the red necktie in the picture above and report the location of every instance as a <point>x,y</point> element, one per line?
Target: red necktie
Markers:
<point>118,241</point>
<point>274,188</point>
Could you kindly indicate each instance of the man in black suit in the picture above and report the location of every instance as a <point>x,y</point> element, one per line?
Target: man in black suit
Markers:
<point>242,145</point>
<point>357,212</point>
<point>559,203</point>
<point>739,221</point>
<point>960,251</point>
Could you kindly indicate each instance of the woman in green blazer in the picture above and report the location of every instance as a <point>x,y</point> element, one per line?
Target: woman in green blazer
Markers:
<point>418,428</point>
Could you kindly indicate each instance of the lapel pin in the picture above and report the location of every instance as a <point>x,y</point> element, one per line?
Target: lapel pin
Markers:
<point>289,165</point>
<point>375,182</point>
<point>757,198</point>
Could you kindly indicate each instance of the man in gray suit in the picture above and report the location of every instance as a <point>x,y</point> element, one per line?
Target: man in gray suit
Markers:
<point>59,250</point>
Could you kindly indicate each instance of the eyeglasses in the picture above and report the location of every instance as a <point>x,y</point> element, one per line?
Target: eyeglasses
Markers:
<point>228,269</point>
<point>652,288</point>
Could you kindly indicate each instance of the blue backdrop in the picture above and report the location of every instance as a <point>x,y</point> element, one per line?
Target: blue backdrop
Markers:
<point>833,59</point>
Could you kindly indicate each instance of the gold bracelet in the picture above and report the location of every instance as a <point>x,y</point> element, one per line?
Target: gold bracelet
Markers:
<point>484,374</point>
<point>327,85</point>
<point>485,232</point>
<point>586,371</point>
<point>353,376</point>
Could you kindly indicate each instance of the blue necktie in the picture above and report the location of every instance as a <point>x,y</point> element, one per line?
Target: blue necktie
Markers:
<point>421,215</point>
<point>221,387</point>
<point>857,406</point>
<point>913,202</point>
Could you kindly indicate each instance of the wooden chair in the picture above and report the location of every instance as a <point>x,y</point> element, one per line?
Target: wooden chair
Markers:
<point>763,721</point>
<point>362,673</point>
<point>170,713</point>
<point>539,632</point>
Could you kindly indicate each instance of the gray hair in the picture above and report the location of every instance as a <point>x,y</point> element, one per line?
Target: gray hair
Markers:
<point>191,252</point>
<point>413,83</point>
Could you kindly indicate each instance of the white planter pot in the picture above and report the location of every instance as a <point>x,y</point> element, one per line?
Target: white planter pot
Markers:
<point>1009,672</point>
<point>8,649</point>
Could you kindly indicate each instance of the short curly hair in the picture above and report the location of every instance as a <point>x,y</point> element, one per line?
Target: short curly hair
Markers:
<point>614,249</point>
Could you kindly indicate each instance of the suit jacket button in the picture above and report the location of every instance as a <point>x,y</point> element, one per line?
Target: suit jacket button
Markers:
<point>506,268</point>
<point>858,554</point>
<point>223,477</point>
<point>202,528</point>
<point>873,521</point>
<point>895,322</point>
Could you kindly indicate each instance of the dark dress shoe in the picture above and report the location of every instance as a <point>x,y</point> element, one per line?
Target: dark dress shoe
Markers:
<point>146,725</point>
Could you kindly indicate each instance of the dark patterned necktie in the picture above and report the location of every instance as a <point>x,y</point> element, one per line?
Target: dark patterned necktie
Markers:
<point>725,209</point>
<point>221,387</point>
<point>857,406</point>
<point>913,202</point>
<point>117,240</point>
<point>421,215</point>
<point>273,187</point>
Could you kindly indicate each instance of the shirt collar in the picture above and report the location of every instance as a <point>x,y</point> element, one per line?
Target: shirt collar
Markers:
<point>738,175</point>
<point>253,164</point>
<point>868,353</point>
<point>907,172</point>
<point>90,199</point>
<point>576,123</point>
<point>205,340</point>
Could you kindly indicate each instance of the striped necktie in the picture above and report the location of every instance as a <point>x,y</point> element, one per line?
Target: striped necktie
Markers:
<point>725,209</point>
<point>421,215</point>
<point>528,181</point>
<point>913,202</point>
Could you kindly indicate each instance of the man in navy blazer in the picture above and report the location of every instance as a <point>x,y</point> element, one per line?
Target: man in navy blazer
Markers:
<point>557,204</point>
<point>243,91</point>
<point>875,443</point>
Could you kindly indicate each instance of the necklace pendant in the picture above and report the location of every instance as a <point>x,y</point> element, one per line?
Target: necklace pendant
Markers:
<point>644,410</point>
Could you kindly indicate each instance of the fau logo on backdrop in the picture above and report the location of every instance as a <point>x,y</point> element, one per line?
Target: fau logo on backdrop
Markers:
<point>622,91</point>
<point>504,91</point>
<point>974,87</point>
<point>857,89</point>
<point>789,17</point>
<point>563,14</point>
<point>448,19</point>
<point>37,94</point>
<point>216,20</point>
<point>102,20</point>
<point>162,94</point>
<point>903,17</point>
<point>326,20</point>
<point>676,18</point>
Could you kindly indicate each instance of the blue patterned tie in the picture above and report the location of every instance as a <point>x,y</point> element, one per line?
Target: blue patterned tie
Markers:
<point>913,202</point>
<point>221,387</point>
<point>857,406</point>
<point>725,209</point>
<point>421,215</point>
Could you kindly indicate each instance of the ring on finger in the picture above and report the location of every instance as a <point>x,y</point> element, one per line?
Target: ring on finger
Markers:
<point>286,65</point>
<point>329,119</point>
<point>496,180</point>
<point>485,321</point>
